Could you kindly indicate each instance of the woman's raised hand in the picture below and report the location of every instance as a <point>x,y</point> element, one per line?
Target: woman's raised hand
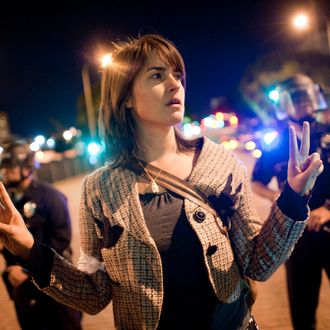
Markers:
<point>303,169</point>
<point>13,233</point>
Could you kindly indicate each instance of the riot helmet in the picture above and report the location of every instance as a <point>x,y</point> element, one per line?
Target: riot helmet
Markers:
<point>17,154</point>
<point>299,98</point>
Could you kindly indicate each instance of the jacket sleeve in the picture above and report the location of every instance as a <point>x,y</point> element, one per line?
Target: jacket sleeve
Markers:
<point>85,289</point>
<point>261,247</point>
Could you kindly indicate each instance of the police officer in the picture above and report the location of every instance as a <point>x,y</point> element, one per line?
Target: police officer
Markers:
<point>45,212</point>
<point>299,100</point>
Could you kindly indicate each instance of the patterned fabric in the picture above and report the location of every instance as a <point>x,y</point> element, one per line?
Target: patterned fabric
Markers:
<point>113,230</point>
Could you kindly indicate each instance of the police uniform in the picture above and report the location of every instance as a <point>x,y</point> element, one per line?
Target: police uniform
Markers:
<point>311,253</point>
<point>45,212</point>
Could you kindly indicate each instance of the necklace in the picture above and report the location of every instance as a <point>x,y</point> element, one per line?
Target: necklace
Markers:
<point>153,184</point>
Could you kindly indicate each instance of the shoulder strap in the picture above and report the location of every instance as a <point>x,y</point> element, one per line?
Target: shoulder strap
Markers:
<point>180,187</point>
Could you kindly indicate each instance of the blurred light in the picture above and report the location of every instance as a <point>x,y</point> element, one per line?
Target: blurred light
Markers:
<point>39,155</point>
<point>67,135</point>
<point>214,124</point>
<point>186,119</point>
<point>208,121</point>
<point>50,142</point>
<point>187,130</point>
<point>92,159</point>
<point>233,144</point>
<point>219,116</point>
<point>1,150</point>
<point>233,120</point>
<point>256,153</point>
<point>80,147</point>
<point>34,146</point>
<point>273,95</point>
<point>106,60</point>
<point>250,145</point>
<point>301,21</point>
<point>269,137</point>
<point>40,139</point>
<point>73,130</point>
<point>220,123</point>
<point>196,130</point>
<point>94,148</point>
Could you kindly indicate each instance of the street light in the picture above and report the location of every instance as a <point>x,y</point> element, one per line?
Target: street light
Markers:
<point>105,61</point>
<point>301,22</point>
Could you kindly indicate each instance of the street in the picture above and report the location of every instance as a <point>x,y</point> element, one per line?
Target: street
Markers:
<point>270,310</point>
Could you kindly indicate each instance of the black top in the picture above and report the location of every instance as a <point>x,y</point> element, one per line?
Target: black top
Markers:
<point>189,300</point>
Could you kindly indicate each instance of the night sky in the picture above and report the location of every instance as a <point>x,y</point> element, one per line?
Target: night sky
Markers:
<point>42,50</point>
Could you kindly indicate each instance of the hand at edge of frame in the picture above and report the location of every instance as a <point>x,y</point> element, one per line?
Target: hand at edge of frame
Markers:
<point>13,232</point>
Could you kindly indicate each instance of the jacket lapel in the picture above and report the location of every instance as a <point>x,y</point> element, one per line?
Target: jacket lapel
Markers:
<point>125,207</point>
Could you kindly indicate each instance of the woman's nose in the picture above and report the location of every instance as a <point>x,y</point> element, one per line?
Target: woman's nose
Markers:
<point>174,82</point>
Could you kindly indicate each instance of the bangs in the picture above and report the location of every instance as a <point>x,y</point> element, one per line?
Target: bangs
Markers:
<point>165,51</point>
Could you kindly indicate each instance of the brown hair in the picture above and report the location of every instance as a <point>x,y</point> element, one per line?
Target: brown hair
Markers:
<point>116,124</point>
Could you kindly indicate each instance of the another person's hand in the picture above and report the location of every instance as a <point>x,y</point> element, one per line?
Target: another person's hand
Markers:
<point>318,218</point>
<point>16,275</point>
<point>303,169</point>
<point>13,232</point>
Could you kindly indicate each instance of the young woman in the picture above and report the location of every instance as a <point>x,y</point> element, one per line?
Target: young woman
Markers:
<point>163,260</point>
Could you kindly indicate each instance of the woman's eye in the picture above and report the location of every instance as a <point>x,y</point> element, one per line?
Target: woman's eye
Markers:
<point>156,76</point>
<point>178,75</point>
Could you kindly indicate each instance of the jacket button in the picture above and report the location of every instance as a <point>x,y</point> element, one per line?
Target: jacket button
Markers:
<point>199,216</point>
<point>211,250</point>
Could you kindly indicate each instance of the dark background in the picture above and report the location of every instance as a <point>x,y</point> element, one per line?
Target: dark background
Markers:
<point>42,49</point>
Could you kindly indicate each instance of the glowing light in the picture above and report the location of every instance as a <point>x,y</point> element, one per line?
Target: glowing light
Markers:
<point>270,137</point>
<point>233,144</point>
<point>220,123</point>
<point>40,139</point>
<point>93,148</point>
<point>210,122</point>
<point>233,120</point>
<point>80,147</point>
<point>107,59</point>
<point>250,145</point>
<point>34,146</point>
<point>67,135</point>
<point>196,130</point>
<point>301,21</point>
<point>73,130</point>
<point>187,130</point>
<point>40,155</point>
<point>92,160</point>
<point>273,95</point>
<point>219,116</point>
<point>1,150</point>
<point>50,142</point>
<point>186,120</point>
<point>256,153</point>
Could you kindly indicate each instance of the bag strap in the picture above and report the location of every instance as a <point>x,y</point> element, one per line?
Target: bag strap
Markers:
<point>182,188</point>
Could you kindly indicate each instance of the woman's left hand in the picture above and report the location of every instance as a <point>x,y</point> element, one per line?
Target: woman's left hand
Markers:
<point>303,169</point>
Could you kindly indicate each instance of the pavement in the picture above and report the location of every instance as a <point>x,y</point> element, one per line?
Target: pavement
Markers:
<point>270,310</point>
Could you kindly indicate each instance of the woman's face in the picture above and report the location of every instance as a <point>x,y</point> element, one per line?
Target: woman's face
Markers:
<point>158,95</point>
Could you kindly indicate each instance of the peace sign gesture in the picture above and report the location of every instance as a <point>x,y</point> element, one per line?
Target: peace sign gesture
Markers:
<point>13,233</point>
<point>303,169</point>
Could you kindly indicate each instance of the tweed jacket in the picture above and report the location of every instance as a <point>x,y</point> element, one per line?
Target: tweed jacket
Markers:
<point>120,259</point>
